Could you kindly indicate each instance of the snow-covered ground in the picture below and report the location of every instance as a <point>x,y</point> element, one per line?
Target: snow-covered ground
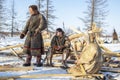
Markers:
<point>113,47</point>
<point>4,60</point>
<point>10,41</point>
<point>12,60</point>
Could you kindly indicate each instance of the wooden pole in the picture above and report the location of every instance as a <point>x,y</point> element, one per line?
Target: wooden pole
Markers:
<point>92,14</point>
<point>81,66</point>
<point>51,75</point>
<point>8,47</point>
<point>5,68</point>
<point>14,52</point>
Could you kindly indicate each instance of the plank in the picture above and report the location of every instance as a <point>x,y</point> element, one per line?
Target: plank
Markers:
<point>6,68</point>
<point>7,79</point>
<point>114,65</point>
<point>53,75</point>
<point>68,61</point>
<point>8,47</point>
<point>112,54</point>
<point>109,52</point>
<point>15,53</point>
<point>108,69</point>
<point>81,66</point>
<point>104,48</point>
<point>19,52</point>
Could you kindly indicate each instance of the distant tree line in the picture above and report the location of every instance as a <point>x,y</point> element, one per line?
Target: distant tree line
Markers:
<point>96,12</point>
<point>46,8</point>
<point>2,12</point>
<point>8,15</point>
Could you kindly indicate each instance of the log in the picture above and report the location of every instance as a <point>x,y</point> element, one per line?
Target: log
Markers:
<point>46,32</point>
<point>15,53</point>
<point>8,47</point>
<point>79,46</point>
<point>46,44</point>
<point>95,29</point>
<point>75,30</point>
<point>112,54</point>
<point>19,52</point>
<point>6,68</point>
<point>46,75</point>
<point>7,79</point>
<point>74,36</point>
<point>52,75</point>
<point>114,65</point>
<point>47,36</point>
<point>109,52</point>
<point>104,48</point>
<point>108,69</point>
<point>68,61</point>
<point>81,66</point>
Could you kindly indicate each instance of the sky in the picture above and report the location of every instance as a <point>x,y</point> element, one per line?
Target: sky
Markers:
<point>69,11</point>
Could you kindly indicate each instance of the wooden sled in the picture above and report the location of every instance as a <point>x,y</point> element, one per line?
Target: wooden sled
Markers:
<point>101,76</point>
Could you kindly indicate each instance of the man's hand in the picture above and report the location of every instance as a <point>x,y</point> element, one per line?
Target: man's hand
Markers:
<point>36,31</point>
<point>58,48</point>
<point>22,36</point>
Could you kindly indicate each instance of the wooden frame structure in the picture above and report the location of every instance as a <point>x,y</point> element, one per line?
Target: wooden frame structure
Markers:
<point>11,48</point>
<point>84,74</point>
